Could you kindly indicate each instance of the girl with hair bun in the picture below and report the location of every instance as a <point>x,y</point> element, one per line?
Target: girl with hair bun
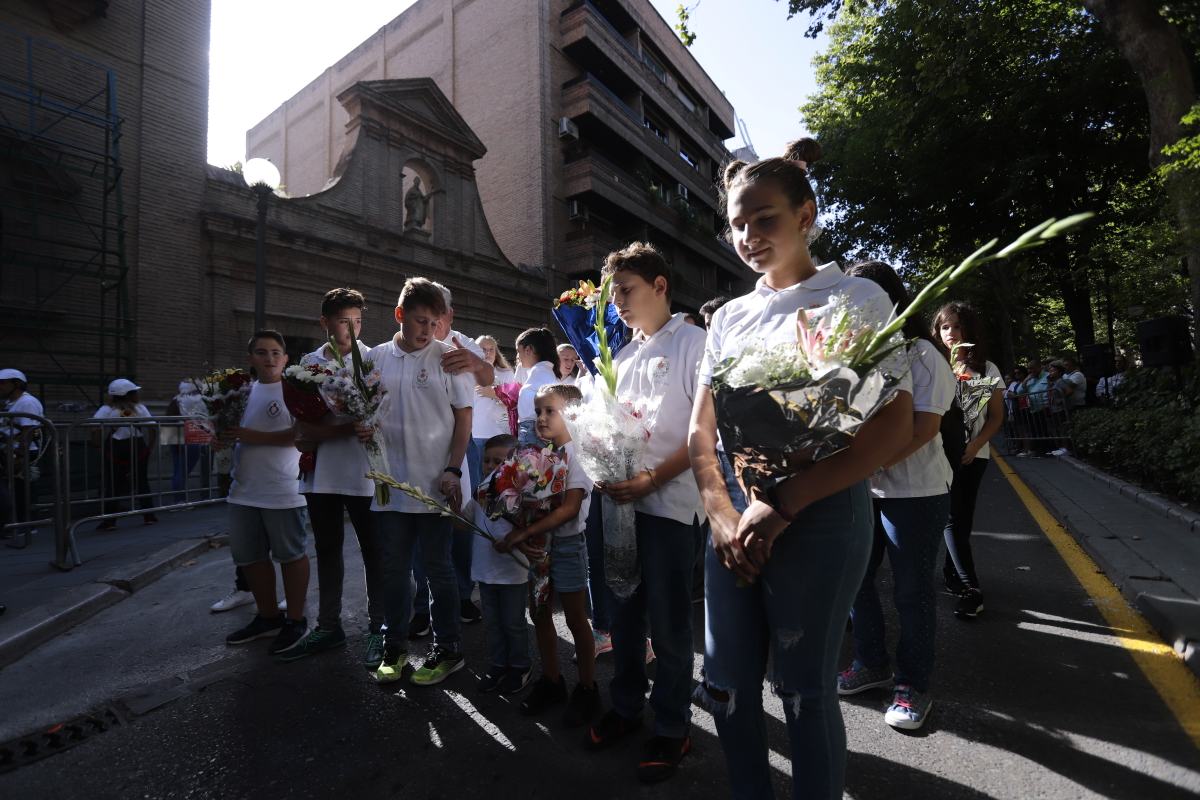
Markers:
<point>781,576</point>
<point>537,352</point>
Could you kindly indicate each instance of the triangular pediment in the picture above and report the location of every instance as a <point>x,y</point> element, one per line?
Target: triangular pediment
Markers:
<point>418,101</point>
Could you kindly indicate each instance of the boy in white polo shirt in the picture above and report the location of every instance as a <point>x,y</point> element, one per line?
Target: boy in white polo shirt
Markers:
<point>659,364</point>
<point>266,517</point>
<point>337,487</point>
<point>425,428</point>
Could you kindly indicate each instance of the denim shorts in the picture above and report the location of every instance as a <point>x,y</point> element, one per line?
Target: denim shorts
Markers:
<point>260,534</point>
<point>568,563</point>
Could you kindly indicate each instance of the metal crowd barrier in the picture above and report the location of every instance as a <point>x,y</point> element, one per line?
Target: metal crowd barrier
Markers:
<point>1038,421</point>
<point>30,456</point>
<point>103,470</point>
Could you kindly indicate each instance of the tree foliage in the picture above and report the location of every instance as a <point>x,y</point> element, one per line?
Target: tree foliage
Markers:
<point>948,122</point>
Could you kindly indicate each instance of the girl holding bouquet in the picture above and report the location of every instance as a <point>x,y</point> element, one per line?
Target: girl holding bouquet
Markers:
<point>490,417</point>
<point>957,330</point>
<point>782,570</point>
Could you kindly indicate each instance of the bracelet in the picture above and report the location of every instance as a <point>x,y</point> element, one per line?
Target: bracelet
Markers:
<point>653,479</point>
<point>453,471</point>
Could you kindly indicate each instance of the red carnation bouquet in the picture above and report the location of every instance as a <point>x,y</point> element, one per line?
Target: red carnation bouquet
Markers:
<point>523,489</point>
<point>302,396</point>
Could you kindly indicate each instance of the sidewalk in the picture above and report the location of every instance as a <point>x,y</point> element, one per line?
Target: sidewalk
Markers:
<point>1148,547</point>
<point>44,601</point>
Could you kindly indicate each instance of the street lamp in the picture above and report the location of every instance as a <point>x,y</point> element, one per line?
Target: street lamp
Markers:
<point>263,177</point>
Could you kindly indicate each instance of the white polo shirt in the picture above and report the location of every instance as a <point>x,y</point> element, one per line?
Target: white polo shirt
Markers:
<point>925,473</point>
<point>25,404</point>
<point>121,434</point>
<point>342,462</point>
<point>417,422</point>
<point>487,564</point>
<point>664,368</point>
<point>540,374</point>
<point>266,475</point>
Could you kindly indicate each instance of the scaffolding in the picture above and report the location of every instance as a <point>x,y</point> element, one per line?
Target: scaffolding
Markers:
<point>64,305</point>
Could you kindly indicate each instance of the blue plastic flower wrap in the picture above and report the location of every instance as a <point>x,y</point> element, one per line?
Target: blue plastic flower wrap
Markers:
<point>579,324</point>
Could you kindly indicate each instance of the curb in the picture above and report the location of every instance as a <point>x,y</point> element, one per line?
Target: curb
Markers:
<point>49,620</point>
<point>1136,493</point>
<point>145,571</point>
<point>76,605</point>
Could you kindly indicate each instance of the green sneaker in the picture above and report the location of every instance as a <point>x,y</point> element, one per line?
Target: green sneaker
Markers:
<point>373,656</point>
<point>391,669</point>
<point>439,665</point>
<point>316,641</point>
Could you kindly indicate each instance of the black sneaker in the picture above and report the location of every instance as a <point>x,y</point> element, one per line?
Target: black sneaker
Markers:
<point>515,680</point>
<point>290,635</point>
<point>661,758</point>
<point>970,605</point>
<point>419,626</point>
<point>491,680</point>
<point>545,693</point>
<point>468,612</point>
<point>611,728</point>
<point>259,628</point>
<point>439,665</point>
<point>583,706</point>
<point>954,586</point>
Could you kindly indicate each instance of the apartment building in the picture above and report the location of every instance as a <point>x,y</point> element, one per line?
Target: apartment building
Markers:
<point>600,128</point>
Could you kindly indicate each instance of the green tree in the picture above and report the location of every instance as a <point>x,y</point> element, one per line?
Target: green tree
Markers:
<point>948,122</point>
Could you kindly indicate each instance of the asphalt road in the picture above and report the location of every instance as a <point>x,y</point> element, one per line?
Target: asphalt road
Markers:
<point>1035,699</point>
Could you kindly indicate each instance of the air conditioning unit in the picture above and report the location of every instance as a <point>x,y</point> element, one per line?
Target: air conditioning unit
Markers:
<point>681,191</point>
<point>576,210</point>
<point>568,129</point>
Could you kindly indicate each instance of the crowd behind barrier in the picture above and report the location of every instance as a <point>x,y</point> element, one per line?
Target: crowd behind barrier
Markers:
<point>1037,422</point>
<point>61,476</point>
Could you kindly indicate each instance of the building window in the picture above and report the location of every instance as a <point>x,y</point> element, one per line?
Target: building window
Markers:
<point>658,69</point>
<point>686,99</point>
<point>687,157</point>
<point>655,128</point>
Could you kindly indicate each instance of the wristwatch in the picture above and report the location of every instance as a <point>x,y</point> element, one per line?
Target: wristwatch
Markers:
<point>454,471</point>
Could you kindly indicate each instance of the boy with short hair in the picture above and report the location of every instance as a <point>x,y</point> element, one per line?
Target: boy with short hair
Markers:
<point>660,364</point>
<point>425,429</point>
<point>503,589</point>
<point>568,571</point>
<point>266,517</point>
<point>337,486</point>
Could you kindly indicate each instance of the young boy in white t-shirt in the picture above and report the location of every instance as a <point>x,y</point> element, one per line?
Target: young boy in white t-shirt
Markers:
<point>503,590</point>
<point>425,428</point>
<point>266,509</point>
<point>337,487</point>
<point>658,366</point>
<point>568,571</point>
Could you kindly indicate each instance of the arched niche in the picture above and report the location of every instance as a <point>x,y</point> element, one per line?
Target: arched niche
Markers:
<point>419,188</point>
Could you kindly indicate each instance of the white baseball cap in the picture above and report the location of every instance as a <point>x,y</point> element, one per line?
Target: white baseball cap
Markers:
<point>122,386</point>
<point>13,375</point>
<point>187,387</point>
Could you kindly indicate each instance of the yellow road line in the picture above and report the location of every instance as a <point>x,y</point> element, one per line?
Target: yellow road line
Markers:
<point>1162,666</point>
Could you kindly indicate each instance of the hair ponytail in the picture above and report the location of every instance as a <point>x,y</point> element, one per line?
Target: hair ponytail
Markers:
<point>789,171</point>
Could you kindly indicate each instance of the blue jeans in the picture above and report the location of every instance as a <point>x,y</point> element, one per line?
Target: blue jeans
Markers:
<point>475,462</point>
<point>796,613</point>
<point>909,529</point>
<point>461,554</point>
<point>504,624</point>
<point>667,551</point>
<point>601,596</point>
<point>527,432</point>
<point>401,534</point>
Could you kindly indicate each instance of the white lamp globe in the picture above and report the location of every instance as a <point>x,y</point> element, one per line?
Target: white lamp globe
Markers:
<point>261,172</point>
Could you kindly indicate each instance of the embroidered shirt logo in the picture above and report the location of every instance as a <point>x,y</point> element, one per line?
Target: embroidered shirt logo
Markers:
<point>422,379</point>
<point>273,410</point>
<point>660,368</point>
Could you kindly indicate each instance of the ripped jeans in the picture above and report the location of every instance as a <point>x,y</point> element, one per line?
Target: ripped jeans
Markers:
<point>796,613</point>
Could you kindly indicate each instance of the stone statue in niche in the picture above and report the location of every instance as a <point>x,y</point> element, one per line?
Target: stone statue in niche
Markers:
<point>416,205</point>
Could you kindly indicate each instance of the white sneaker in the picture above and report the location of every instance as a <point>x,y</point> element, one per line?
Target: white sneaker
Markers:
<point>283,604</point>
<point>231,601</point>
<point>909,709</point>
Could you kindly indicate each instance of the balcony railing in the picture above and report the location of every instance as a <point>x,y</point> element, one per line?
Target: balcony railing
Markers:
<point>585,21</point>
